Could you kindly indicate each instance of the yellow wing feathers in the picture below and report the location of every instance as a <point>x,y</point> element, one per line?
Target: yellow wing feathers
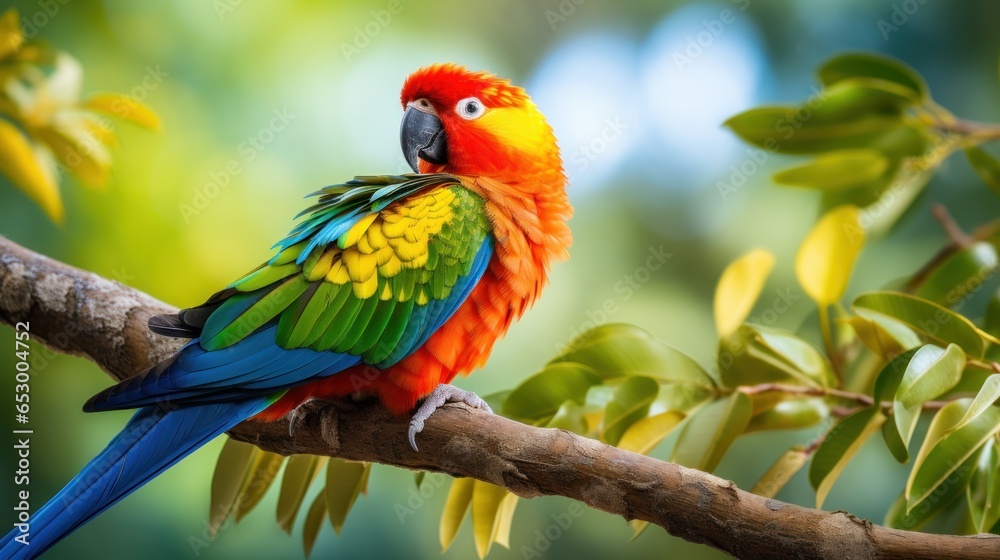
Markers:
<point>381,246</point>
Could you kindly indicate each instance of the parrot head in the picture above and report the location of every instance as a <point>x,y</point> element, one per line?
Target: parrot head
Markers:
<point>474,123</point>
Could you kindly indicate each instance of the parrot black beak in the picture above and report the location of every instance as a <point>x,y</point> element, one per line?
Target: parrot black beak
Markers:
<point>422,136</point>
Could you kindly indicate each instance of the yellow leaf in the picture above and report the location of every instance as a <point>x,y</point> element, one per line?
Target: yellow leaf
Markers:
<point>459,498</point>
<point>243,474</point>
<point>486,501</point>
<point>80,152</point>
<point>314,521</point>
<point>299,474</point>
<point>124,108</point>
<point>781,472</point>
<point>11,37</point>
<point>738,289</point>
<point>643,436</point>
<point>504,520</point>
<point>28,168</point>
<point>638,527</point>
<point>826,258</point>
<point>344,481</point>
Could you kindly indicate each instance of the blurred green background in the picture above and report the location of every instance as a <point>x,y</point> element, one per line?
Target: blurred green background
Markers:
<point>636,92</point>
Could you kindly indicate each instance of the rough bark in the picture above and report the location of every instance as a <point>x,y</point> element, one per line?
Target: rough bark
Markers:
<point>80,313</point>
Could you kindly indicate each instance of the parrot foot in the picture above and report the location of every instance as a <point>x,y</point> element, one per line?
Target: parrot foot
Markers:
<point>299,414</point>
<point>441,394</point>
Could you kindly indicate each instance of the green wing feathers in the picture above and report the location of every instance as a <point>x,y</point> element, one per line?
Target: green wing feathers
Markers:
<point>360,279</point>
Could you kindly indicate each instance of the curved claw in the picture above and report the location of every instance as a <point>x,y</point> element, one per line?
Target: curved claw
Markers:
<point>296,416</point>
<point>441,394</point>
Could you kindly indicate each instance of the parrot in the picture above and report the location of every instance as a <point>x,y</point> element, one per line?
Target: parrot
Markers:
<point>388,287</point>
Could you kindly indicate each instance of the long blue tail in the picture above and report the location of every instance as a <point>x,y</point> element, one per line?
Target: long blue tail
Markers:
<point>153,440</point>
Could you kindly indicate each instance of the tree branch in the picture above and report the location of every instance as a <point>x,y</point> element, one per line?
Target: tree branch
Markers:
<point>80,313</point>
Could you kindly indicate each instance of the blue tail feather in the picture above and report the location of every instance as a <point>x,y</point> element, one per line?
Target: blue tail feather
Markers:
<point>153,440</point>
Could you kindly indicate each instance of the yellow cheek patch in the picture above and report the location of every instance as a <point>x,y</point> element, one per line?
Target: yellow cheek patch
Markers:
<point>385,244</point>
<point>522,128</point>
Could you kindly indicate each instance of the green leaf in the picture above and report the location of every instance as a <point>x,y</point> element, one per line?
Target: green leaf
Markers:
<point>836,170</point>
<point>708,434</point>
<point>776,477</point>
<point>314,521</point>
<point>455,506</point>
<point>826,257</point>
<point>345,480</point>
<point>983,493</point>
<point>790,414</point>
<point>630,404</point>
<point>570,416</point>
<point>540,396</point>
<point>300,471</point>
<point>986,166</point>
<point>991,321</point>
<point>987,397</point>
<point>418,479</point>
<point>859,97</point>
<point>893,430</point>
<point>839,446</point>
<point>869,65</point>
<point>943,452</point>
<point>898,430</point>
<point>883,335</point>
<point>618,350</point>
<point>959,275</point>
<point>680,397</point>
<point>243,474</point>
<point>496,400</point>
<point>887,382</point>
<point>931,373</point>
<point>738,289</point>
<point>794,130</point>
<point>918,516</point>
<point>799,354</point>
<point>642,436</point>
<point>487,500</point>
<point>929,318</point>
<point>755,355</point>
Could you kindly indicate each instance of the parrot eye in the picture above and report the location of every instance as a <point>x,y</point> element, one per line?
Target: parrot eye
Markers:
<point>470,108</point>
<point>423,104</point>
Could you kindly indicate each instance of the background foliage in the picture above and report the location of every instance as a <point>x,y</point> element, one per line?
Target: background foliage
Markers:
<point>260,105</point>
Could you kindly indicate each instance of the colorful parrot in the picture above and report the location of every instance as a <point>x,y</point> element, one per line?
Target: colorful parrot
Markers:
<point>390,286</point>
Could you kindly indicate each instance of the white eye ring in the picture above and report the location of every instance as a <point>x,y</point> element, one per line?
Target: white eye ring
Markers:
<point>470,108</point>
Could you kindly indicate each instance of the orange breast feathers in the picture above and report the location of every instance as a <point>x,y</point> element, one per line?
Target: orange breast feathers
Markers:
<point>529,234</point>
